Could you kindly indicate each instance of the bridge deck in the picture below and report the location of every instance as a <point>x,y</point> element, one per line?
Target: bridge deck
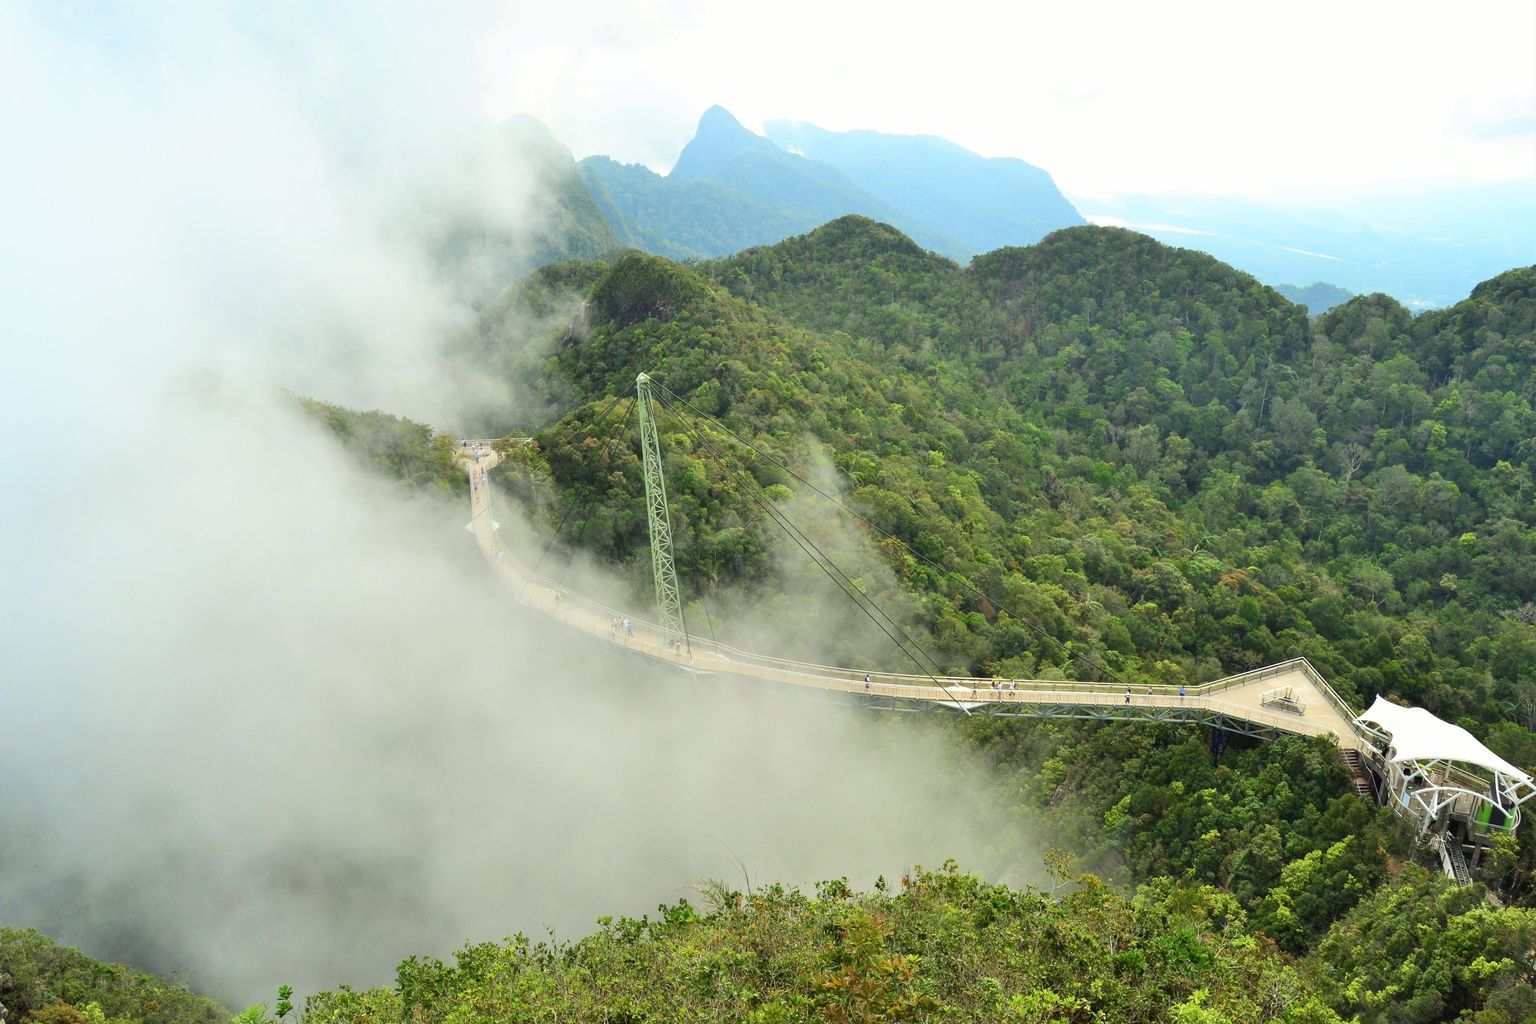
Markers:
<point>1291,697</point>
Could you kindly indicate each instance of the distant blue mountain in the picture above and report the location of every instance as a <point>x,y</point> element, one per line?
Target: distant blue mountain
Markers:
<point>985,203</point>
<point>732,188</point>
<point>1319,297</point>
<point>1425,249</point>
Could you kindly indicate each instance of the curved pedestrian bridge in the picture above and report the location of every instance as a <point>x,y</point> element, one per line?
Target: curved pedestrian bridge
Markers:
<point>1288,698</point>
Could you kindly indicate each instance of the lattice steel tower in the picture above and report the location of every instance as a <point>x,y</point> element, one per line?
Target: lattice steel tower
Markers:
<point>668,604</point>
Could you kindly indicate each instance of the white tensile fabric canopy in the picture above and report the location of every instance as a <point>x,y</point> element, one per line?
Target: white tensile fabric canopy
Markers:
<point>1418,735</point>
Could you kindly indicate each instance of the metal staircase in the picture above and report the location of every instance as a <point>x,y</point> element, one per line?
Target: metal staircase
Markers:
<point>1360,777</point>
<point>1453,860</point>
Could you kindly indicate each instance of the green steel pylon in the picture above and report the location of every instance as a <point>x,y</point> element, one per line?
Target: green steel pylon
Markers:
<point>668,603</point>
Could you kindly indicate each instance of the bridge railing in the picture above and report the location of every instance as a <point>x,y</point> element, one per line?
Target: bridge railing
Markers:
<point>596,618</point>
<point>653,632</point>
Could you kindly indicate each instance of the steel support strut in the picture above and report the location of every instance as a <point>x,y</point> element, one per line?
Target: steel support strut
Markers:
<point>668,604</point>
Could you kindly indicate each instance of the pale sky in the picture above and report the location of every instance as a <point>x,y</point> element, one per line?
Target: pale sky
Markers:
<point>1318,96</point>
<point>1216,97</point>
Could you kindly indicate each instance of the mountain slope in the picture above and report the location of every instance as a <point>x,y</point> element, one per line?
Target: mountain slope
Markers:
<point>1102,422</point>
<point>684,219</point>
<point>984,203</point>
<point>1098,458</point>
<point>732,189</point>
<point>527,207</point>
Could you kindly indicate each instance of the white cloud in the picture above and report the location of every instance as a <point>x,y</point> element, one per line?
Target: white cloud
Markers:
<point>1109,97</point>
<point>262,720</point>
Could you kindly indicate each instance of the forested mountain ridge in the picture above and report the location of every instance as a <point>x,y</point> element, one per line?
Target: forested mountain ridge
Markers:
<point>682,220</point>
<point>1098,457</point>
<point>1160,460</point>
<point>45,982</point>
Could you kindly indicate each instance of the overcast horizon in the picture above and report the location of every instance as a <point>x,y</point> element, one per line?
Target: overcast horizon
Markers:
<point>1373,98</point>
<point>1108,97</point>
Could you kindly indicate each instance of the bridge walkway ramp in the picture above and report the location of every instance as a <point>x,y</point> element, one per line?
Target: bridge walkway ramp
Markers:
<point>1288,698</point>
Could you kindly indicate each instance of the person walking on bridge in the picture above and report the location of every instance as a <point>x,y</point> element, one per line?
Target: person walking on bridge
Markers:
<point>1127,694</point>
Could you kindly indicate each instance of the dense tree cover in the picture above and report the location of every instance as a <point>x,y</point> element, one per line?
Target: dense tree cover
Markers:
<point>1275,826</point>
<point>1421,950</point>
<point>1098,456</point>
<point>1147,455</point>
<point>943,946</point>
<point>395,447</point>
<point>44,981</point>
<point>940,945</point>
<point>1103,456</point>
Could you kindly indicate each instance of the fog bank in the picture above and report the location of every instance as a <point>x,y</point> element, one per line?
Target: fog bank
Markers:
<point>264,719</point>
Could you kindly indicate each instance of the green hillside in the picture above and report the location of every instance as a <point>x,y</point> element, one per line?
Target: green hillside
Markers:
<point>1097,457</point>
<point>43,981</point>
<point>1153,458</point>
<point>941,945</point>
<point>683,220</point>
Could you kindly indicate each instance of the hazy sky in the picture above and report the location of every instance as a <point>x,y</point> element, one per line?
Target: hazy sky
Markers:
<point>1107,96</point>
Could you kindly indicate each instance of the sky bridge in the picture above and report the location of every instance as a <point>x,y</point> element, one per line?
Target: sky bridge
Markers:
<point>1290,698</point>
<point>1431,772</point>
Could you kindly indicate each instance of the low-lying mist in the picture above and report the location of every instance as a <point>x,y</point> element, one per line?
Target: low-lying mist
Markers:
<point>264,718</point>
<point>272,722</point>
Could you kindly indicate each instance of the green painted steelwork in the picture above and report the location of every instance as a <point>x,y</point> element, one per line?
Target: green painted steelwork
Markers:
<point>669,605</point>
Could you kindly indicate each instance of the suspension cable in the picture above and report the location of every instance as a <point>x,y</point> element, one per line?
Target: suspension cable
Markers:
<point>967,584</point>
<point>865,604</point>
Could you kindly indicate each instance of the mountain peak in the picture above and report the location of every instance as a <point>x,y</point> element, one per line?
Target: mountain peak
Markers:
<point>718,120</point>
<point>531,137</point>
<point>719,137</point>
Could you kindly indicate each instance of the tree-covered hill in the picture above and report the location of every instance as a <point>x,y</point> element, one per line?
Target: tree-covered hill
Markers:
<point>942,945</point>
<point>1149,456</point>
<point>683,220</point>
<point>933,946</point>
<point>1097,457</point>
<point>43,981</point>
